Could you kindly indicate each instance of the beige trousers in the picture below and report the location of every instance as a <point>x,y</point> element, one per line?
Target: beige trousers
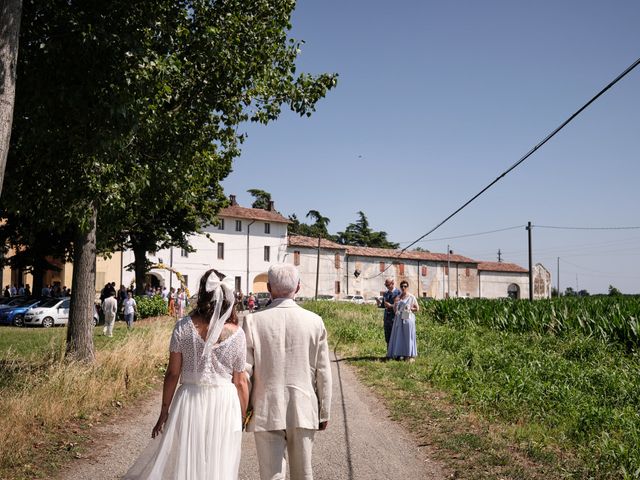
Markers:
<point>271,446</point>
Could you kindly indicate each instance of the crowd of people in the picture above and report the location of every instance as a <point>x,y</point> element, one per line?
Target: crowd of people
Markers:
<point>48,290</point>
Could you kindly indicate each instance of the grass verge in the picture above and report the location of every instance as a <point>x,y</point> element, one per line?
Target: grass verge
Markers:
<point>49,404</point>
<point>503,404</point>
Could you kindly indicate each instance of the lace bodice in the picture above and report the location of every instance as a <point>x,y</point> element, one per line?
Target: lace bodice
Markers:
<point>215,367</point>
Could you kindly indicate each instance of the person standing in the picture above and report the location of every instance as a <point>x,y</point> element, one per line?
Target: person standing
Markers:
<point>130,308</point>
<point>402,344</point>
<point>198,435</point>
<point>388,299</point>
<point>288,365</point>
<point>109,308</point>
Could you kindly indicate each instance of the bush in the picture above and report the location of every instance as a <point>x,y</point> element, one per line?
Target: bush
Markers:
<point>151,306</point>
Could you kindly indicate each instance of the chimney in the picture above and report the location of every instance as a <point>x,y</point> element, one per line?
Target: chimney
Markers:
<point>232,200</point>
<point>271,206</point>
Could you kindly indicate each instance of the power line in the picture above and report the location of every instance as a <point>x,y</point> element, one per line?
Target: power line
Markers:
<point>530,152</point>
<point>472,234</point>
<point>586,228</point>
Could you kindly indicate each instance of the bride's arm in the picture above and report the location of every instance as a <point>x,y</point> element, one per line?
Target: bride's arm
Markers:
<point>240,381</point>
<point>171,378</point>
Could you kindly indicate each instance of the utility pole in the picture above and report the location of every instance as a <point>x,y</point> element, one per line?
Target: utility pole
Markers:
<point>448,272</point>
<point>499,256</point>
<point>529,227</point>
<point>558,281</point>
<point>318,268</point>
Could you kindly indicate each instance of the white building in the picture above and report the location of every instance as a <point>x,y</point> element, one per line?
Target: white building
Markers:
<point>347,270</point>
<point>248,240</point>
<point>243,245</point>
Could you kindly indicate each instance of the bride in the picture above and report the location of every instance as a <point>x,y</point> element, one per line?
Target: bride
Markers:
<point>200,435</point>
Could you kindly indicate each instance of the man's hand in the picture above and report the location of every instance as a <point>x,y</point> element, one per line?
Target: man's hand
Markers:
<point>323,425</point>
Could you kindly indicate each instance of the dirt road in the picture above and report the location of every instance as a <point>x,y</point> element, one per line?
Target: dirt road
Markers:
<point>361,443</point>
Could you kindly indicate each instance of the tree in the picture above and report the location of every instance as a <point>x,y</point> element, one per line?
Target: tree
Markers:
<point>128,115</point>
<point>10,12</point>
<point>261,199</point>
<point>360,234</point>
<point>614,292</point>
<point>319,227</point>
<point>570,292</point>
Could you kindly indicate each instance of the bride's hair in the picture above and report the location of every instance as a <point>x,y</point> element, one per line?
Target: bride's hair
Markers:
<point>206,304</point>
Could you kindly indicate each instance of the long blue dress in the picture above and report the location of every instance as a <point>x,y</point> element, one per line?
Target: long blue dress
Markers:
<point>403,335</point>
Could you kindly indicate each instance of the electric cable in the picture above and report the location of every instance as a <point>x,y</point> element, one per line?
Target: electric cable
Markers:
<point>523,158</point>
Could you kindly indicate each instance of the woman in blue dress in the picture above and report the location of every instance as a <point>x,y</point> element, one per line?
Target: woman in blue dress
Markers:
<point>402,344</point>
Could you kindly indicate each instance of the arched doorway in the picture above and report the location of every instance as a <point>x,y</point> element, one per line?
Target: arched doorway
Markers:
<point>260,283</point>
<point>154,279</point>
<point>513,291</point>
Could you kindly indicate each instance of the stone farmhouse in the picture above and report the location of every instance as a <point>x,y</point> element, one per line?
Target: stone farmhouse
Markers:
<point>246,241</point>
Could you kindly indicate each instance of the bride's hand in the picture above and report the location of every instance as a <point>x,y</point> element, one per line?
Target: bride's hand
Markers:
<point>157,430</point>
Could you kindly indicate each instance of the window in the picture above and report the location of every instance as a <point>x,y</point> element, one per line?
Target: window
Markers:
<point>296,257</point>
<point>220,251</point>
<point>446,269</point>
<point>221,224</point>
<point>337,287</point>
<point>424,271</point>
<point>238,282</point>
<point>184,253</point>
<point>267,253</point>
<point>400,267</point>
<point>337,260</point>
<point>238,225</point>
<point>267,228</point>
<point>382,266</point>
<point>466,272</point>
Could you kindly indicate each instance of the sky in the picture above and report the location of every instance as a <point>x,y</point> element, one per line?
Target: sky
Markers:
<point>436,99</point>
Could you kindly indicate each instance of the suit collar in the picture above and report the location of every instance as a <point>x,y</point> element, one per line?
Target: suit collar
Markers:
<point>283,302</point>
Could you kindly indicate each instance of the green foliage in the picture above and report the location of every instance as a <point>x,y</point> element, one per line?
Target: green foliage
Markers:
<point>551,390</point>
<point>153,306</point>
<point>261,199</point>
<point>317,229</point>
<point>360,234</point>
<point>610,320</point>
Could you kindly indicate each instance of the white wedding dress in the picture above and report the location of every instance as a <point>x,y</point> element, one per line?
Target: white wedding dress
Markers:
<point>203,434</point>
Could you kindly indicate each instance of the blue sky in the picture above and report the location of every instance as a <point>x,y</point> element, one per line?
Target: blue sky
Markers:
<point>436,99</point>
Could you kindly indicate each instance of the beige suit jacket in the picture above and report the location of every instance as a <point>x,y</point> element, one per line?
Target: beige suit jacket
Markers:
<point>288,364</point>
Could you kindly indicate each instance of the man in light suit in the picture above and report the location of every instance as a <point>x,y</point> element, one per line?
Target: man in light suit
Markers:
<point>288,363</point>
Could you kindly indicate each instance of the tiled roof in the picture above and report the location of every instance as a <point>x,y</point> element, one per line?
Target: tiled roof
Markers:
<point>236,211</point>
<point>409,255</point>
<point>501,267</point>
<point>312,242</point>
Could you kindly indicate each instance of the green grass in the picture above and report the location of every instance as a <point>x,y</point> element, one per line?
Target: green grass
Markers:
<point>50,404</point>
<point>550,398</point>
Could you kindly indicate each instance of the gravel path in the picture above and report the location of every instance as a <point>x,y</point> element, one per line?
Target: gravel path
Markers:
<point>361,443</point>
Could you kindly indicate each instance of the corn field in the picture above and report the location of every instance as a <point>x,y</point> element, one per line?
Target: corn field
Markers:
<point>609,319</point>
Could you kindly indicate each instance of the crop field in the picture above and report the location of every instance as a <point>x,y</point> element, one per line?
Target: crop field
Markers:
<point>555,384</point>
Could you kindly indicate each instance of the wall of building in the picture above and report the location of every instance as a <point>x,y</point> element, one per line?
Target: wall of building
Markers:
<point>425,278</point>
<point>194,264</point>
<point>496,284</point>
<point>305,259</point>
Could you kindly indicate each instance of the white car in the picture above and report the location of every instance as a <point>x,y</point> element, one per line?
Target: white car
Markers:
<point>354,299</point>
<point>54,311</point>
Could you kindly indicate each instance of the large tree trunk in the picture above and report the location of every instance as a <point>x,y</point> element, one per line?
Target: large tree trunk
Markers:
<point>140,265</point>
<point>83,293</point>
<point>10,11</point>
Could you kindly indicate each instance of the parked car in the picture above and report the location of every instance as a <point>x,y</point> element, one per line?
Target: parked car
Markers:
<point>353,299</point>
<point>14,314</point>
<point>51,312</point>
<point>377,300</point>
<point>6,302</point>
<point>327,298</point>
<point>262,299</point>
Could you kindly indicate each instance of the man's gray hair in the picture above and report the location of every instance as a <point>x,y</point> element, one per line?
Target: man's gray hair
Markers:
<point>283,279</point>
<point>389,280</point>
